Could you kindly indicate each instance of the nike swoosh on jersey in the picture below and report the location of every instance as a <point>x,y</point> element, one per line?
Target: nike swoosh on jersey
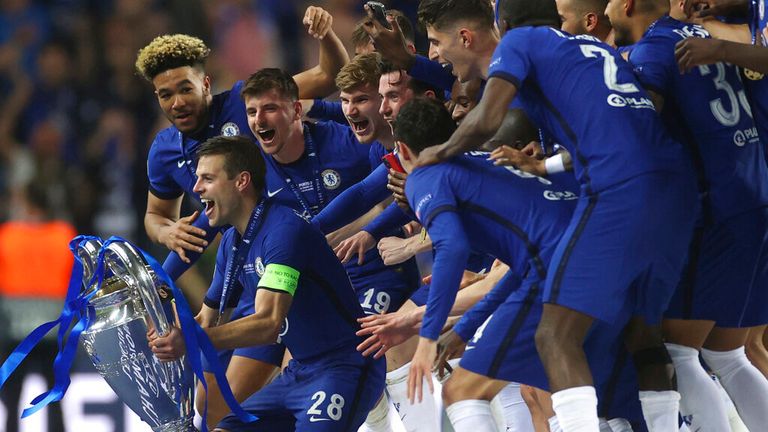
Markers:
<point>270,194</point>
<point>317,419</point>
<point>181,163</point>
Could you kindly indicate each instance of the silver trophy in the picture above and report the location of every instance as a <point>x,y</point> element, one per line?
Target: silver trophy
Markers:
<point>128,303</point>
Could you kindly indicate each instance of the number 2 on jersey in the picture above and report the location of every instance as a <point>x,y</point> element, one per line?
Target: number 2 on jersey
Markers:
<point>334,409</point>
<point>610,69</point>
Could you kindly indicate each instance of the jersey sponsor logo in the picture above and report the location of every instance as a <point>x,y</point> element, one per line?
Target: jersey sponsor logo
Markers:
<point>742,137</point>
<point>314,419</point>
<point>560,195</point>
<point>331,179</point>
<point>620,101</point>
<point>230,129</point>
<point>270,193</point>
<point>495,62</point>
<point>259,265</point>
<point>181,163</point>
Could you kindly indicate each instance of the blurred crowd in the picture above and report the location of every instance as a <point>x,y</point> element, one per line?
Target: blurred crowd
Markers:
<point>76,120</point>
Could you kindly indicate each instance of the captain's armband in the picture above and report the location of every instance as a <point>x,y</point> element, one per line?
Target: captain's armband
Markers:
<point>280,277</point>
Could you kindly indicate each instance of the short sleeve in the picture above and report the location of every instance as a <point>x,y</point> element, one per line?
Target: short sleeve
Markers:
<point>654,63</point>
<point>161,183</point>
<point>511,59</point>
<point>283,260</point>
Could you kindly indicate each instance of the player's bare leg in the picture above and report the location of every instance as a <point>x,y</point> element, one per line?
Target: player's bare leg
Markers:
<point>756,351</point>
<point>655,370</point>
<point>559,341</point>
<point>539,403</point>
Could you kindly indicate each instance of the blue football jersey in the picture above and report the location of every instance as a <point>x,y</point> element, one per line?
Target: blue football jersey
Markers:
<point>341,161</point>
<point>468,204</point>
<point>172,162</point>
<point>586,97</point>
<point>757,83</point>
<point>707,110</point>
<point>376,153</point>
<point>324,312</point>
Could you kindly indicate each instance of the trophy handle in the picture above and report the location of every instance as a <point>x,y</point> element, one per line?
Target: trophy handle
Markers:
<point>88,252</point>
<point>128,264</point>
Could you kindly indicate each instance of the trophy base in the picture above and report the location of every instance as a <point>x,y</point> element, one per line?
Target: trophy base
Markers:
<point>183,425</point>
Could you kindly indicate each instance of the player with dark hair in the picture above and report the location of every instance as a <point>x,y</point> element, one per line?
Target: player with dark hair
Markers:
<point>555,75</point>
<point>290,277</point>
<point>175,65</point>
<point>310,164</point>
<point>585,17</point>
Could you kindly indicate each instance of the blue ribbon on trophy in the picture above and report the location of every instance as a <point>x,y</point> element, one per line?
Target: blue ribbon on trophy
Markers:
<point>79,314</point>
<point>74,303</point>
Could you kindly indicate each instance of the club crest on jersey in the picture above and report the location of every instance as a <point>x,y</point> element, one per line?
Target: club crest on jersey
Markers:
<point>331,179</point>
<point>230,129</point>
<point>259,265</point>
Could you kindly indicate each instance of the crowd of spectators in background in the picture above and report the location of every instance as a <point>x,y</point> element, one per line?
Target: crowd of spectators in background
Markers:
<point>76,124</point>
<point>77,120</point>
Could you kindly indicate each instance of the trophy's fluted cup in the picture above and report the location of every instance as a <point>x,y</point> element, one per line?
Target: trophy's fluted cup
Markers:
<point>126,306</point>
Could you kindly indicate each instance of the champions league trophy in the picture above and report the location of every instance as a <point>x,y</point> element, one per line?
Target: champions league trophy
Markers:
<point>129,302</point>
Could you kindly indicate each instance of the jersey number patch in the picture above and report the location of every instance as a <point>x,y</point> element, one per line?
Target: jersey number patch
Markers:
<point>610,69</point>
<point>724,116</point>
<point>334,408</point>
<point>382,302</point>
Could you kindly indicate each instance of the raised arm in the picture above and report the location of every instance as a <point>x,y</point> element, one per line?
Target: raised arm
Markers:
<point>318,82</point>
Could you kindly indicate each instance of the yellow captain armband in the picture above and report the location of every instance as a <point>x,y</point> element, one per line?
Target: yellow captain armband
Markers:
<point>280,278</point>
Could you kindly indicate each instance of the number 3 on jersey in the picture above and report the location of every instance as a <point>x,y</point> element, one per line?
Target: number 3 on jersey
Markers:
<point>333,409</point>
<point>723,115</point>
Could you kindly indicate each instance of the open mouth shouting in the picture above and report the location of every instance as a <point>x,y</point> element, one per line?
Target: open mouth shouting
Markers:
<point>266,135</point>
<point>209,206</point>
<point>361,127</point>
